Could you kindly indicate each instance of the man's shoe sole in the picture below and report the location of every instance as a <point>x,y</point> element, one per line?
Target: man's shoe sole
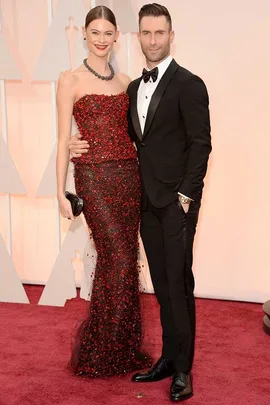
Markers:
<point>182,398</point>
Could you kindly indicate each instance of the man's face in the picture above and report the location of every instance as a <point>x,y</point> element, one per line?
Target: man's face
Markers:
<point>155,37</point>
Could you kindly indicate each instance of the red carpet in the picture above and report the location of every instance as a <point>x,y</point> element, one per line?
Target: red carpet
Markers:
<point>232,361</point>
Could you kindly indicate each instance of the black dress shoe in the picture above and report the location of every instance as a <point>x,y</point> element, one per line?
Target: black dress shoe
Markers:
<point>161,369</point>
<point>181,387</point>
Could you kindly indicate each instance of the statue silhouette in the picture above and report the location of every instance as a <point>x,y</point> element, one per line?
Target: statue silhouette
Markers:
<point>71,34</point>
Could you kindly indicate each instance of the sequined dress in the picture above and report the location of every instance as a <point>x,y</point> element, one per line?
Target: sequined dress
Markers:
<point>107,178</point>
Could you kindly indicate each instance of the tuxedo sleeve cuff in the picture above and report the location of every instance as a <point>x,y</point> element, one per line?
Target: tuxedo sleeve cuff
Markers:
<point>183,195</point>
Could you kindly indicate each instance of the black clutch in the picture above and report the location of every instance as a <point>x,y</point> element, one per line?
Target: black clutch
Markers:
<point>76,203</point>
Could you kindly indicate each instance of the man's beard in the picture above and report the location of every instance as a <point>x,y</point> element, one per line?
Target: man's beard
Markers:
<point>162,54</point>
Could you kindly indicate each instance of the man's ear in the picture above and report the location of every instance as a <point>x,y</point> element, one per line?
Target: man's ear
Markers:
<point>172,35</point>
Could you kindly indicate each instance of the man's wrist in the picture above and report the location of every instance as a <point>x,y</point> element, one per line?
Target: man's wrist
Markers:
<point>184,199</point>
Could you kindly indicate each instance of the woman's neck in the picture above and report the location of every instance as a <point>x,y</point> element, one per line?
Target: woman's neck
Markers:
<point>100,65</point>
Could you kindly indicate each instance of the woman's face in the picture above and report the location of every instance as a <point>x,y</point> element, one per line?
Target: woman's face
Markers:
<point>100,36</point>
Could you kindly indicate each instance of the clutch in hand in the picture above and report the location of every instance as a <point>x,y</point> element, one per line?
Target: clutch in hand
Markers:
<point>76,203</point>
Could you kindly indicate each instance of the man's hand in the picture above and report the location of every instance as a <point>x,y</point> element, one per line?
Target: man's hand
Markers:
<point>185,206</point>
<point>76,146</point>
<point>185,202</point>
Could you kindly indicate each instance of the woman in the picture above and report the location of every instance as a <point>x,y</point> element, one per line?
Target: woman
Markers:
<point>107,179</point>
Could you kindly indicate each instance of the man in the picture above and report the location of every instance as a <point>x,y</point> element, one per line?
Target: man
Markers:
<point>169,121</point>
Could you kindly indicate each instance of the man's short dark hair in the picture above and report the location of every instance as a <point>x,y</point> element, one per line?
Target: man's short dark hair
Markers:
<point>155,10</point>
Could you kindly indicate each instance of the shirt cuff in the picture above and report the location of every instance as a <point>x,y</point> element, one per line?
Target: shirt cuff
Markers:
<point>183,195</point>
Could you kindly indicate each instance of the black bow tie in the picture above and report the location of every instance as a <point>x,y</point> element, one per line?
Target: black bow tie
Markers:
<point>146,74</point>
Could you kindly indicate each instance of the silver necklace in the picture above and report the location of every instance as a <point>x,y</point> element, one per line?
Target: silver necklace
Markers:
<point>110,77</point>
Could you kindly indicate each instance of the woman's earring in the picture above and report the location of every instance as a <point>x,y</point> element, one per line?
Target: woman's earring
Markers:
<point>115,40</point>
<point>84,39</point>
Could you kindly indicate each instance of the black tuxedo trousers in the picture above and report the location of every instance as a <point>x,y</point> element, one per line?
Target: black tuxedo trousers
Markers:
<point>168,235</point>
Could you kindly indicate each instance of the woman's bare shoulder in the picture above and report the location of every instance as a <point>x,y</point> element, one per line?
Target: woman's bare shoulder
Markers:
<point>67,85</point>
<point>67,78</point>
<point>124,79</point>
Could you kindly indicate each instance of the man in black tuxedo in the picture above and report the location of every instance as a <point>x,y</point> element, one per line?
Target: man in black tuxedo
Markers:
<point>169,121</point>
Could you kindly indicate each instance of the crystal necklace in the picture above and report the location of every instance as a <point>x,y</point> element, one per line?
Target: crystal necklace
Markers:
<point>110,77</point>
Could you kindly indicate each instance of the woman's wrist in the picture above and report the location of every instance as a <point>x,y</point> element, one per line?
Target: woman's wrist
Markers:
<point>61,195</point>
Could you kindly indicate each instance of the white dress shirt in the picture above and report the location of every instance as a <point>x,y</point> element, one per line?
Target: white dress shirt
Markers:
<point>146,91</point>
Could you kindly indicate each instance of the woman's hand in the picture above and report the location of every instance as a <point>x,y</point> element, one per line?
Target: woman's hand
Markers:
<point>65,207</point>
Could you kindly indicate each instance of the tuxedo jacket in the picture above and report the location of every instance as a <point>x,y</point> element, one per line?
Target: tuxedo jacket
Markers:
<point>174,148</point>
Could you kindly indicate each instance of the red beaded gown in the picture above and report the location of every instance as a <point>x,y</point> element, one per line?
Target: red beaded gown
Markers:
<point>107,178</point>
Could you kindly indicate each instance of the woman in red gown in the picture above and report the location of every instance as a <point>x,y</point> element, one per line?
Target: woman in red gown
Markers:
<point>107,178</point>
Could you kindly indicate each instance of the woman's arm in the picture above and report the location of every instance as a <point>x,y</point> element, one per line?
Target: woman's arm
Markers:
<point>65,99</point>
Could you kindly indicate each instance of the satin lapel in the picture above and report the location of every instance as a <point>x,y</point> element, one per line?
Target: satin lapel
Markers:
<point>155,100</point>
<point>133,109</point>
